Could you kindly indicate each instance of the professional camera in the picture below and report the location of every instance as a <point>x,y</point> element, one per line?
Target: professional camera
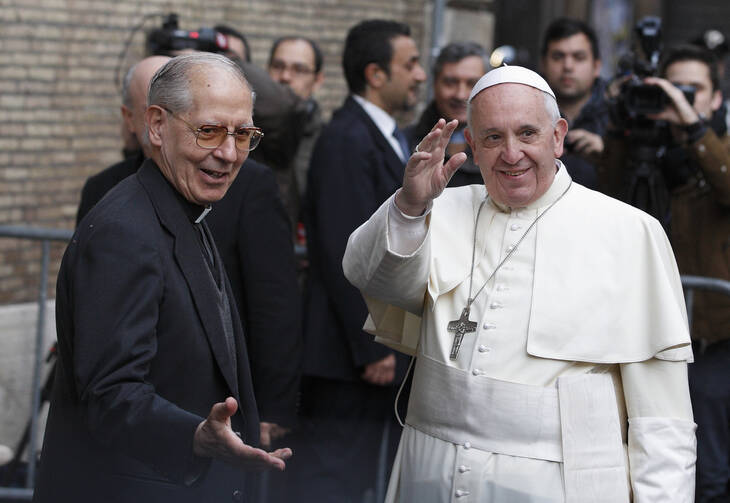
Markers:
<point>637,99</point>
<point>170,39</point>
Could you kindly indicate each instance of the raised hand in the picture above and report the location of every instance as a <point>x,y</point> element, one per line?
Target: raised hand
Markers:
<point>214,438</point>
<point>426,174</point>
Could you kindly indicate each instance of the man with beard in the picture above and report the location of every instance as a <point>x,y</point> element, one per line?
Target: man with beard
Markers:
<point>458,67</point>
<point>358,161</point>
<point>571,64</point>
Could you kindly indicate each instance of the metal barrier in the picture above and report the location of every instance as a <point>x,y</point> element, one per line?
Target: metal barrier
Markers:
<point>45,236</point>
<point>692,283</point>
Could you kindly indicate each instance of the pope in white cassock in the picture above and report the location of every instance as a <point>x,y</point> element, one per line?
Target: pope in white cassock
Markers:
<point>547,321</point>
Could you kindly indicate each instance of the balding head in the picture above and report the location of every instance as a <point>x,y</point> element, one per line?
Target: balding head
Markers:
<point>134,95</point>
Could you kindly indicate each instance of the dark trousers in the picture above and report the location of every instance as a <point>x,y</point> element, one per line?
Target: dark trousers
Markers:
<point>709,384</point>
<point>338,446</point>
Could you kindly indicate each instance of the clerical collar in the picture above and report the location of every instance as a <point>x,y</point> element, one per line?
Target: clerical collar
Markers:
<point>560,183</point>
<point>194,212</point>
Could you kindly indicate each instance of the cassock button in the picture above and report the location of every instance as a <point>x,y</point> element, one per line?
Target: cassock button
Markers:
<point>467,445</point>
<point>489,326</point>
<point>483,349</point>
<point>460,492</point>
<point>237,496</point>
<point>515,227</point>
<point>510,248</point>
<point>463,469</point>
<point>475,372</point>
<point>495,305</point>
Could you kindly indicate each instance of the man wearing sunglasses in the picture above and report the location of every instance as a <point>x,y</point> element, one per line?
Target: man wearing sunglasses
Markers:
<point>153,399</point>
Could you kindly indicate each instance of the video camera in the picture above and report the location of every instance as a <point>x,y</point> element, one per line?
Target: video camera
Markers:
<point>637,99</point>
<point>169,39</point>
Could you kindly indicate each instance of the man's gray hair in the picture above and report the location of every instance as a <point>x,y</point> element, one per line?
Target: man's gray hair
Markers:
<point>170,85</point>
<point>551,108</point>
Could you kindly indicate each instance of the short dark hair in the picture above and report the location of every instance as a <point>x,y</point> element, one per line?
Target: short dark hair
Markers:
<point>369,42</point>
<point>688,52</point>
<point>565,27</point>
<point>228,31</point>
<point>318,58</point>
<point>456,51</point>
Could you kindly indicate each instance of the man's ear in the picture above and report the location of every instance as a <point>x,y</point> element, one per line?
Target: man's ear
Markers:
<point>155,118</point>
<point>127,118</point>
<point>374,75</point>
<point>561,129</point>
<point>469,139</point>
<point>318,80</point>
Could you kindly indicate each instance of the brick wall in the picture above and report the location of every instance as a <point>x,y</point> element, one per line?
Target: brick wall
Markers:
<point>59,104</point>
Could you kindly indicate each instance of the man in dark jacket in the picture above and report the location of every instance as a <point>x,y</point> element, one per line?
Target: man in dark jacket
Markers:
<point>694,174</point>
<point>571,66</point>
<point>149,337</point>
<point>261,270</point>
<point>358,161</point>
<point>458,67</point>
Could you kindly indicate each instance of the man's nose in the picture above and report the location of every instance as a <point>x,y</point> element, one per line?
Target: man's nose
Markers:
<point>227,151</point>
<point>512,151</point>
<point>419,74</point>
<point>463,91</point>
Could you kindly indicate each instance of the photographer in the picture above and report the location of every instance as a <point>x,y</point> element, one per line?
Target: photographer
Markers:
<point>693,163</point>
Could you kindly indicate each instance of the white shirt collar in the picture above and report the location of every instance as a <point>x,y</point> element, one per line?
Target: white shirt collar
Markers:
<point>383,121</point>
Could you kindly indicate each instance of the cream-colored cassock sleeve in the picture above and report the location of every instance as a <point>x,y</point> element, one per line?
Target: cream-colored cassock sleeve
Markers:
<point>662,445</point>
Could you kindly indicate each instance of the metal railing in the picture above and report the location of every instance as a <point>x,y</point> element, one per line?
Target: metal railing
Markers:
<point>45,236</point>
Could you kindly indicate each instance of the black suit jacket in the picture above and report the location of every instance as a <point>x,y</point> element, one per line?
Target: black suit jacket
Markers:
<point>142,356</point>
<point>352,171</point>
<point>252,233</point>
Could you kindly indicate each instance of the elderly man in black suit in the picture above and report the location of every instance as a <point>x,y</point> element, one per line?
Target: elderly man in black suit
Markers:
<point>357,163</point>
<point>149,336</point>
<point>262,271</point>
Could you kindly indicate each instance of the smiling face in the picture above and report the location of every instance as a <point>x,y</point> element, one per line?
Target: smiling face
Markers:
<point>515,143</point>
<point>453,84</point>
<point>202,175</point>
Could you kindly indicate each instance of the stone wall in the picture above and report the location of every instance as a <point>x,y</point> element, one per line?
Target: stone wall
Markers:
<point>59,100</point>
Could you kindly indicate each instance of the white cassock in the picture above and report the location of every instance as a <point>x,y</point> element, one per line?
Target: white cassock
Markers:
<point>573,386</point>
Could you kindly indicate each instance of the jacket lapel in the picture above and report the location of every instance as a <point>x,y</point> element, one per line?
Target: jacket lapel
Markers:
<point>192,264</point>
<point>393,164</point>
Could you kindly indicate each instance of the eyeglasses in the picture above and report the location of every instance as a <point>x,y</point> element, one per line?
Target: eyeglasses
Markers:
<point>296,68</point>
<point>212,136</point>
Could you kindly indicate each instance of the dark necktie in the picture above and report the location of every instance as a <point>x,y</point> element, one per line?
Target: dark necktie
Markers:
<point>405,151</point>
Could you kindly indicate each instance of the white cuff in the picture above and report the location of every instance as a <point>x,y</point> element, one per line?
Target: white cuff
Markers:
<point>406,233</point>
<point>662,454</point>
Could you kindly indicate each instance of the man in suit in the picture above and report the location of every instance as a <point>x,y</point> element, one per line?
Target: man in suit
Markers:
<point>153,399</point>
<point>358,161</point>
<point>261,270</point>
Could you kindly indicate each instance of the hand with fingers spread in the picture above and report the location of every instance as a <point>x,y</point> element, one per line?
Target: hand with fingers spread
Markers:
<point>426,174</point>
<point>214,438</point>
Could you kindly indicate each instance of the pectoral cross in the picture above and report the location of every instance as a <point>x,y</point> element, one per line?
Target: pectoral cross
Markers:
<point>460,327</point>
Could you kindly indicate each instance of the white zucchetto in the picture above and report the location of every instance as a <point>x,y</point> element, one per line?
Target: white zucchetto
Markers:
<point>511,74</point>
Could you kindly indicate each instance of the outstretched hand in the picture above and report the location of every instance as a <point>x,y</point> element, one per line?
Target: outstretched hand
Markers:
<point>426,174</point>
<point>214,438</point>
